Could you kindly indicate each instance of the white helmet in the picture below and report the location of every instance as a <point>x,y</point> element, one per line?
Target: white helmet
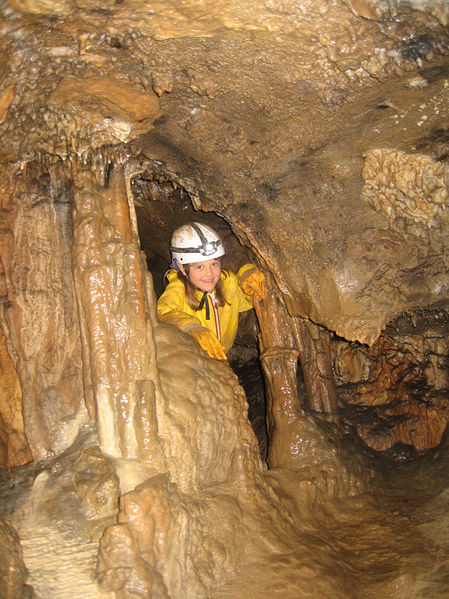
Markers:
<point>195,243</point>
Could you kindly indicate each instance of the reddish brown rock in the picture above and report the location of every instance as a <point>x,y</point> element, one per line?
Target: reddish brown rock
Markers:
<point>393,386</point>
<point>14,449</point>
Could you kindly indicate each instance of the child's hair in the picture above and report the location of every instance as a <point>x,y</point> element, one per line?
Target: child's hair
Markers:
<point>191,297</point>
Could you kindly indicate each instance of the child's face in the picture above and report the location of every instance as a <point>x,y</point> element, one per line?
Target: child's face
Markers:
<point>204,275</point>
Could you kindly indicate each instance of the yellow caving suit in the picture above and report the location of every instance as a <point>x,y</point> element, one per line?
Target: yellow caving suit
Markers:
<point>173,308</point>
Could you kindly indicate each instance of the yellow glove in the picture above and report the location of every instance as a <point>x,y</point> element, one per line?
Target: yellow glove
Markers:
<point>253,284</point>
<point>209,342</point>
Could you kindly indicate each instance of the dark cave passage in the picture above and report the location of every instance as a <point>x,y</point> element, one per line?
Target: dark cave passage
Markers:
<point>162,206</point>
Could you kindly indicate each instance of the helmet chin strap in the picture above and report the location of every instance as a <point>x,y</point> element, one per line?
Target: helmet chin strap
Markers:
<point>204,302</point>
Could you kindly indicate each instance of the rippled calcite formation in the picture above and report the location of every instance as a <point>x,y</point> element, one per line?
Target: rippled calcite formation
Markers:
<point>189,381</point>
<point>59,509</point>
<point>134,551</point>
<point>39,309</point>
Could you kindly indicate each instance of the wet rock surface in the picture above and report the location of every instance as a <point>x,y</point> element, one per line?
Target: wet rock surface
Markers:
<point>59,508</point>
<point>15,450</point>
<point>12,569</point>
<point>302,532</point>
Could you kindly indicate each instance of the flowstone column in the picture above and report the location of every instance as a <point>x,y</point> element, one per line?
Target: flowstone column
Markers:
<point>284,339</point>
<point>37,306</point>
<point>116,328</point>
<point>279,358</point>
<point>316,364</point>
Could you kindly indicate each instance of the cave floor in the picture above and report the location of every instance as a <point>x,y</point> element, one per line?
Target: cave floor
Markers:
<point>391,542</point>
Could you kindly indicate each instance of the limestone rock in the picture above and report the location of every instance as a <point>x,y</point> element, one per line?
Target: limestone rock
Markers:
<point>106,111</point>
<point>5,102</point>
<point>401,400</point>
<point>40,314</point>
<point>12,569</point>
<point>316,133</point>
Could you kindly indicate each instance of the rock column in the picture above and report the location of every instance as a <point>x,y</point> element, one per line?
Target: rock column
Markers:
<point>316,364</point>
<point>279,358</point>
<point>117,332</point>
<point>284,339</point>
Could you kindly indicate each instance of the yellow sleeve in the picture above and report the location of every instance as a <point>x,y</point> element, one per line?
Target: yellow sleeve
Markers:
<point>245,301</point>
<point>171,306</point>
<point>244,271</point>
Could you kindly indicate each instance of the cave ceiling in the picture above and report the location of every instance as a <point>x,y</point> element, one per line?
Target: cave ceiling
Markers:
<point>317,129</point>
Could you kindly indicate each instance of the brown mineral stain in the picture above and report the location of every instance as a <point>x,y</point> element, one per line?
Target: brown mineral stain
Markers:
<point>5,102</point>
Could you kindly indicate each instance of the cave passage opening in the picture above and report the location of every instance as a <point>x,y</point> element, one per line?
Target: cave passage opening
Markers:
<point>161,206</point>
<point>362,375</point>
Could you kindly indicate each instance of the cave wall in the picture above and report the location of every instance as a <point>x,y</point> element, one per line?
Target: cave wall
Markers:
<point>317,132</point>
<point>243,131</point>
<point>14,445</point>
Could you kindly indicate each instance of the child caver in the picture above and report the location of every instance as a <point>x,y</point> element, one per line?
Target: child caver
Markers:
<point>202,299</point>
